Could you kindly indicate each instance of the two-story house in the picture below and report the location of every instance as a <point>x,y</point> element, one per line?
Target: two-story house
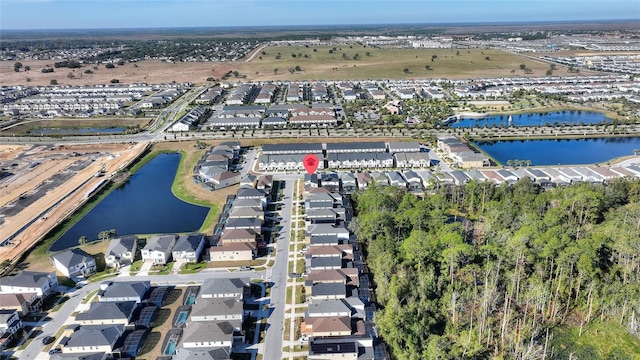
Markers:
<point>159,248</point>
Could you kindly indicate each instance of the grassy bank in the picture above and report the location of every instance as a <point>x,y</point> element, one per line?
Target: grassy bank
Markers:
<point>598,340</point>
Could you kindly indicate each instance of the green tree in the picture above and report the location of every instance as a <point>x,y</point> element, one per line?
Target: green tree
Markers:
<point>82,240</point>
<point>17,66</point>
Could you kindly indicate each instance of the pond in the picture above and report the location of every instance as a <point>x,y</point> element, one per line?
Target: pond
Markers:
<point>77,131</point>
<point>143,205</point>
<point>561,152</point>
<point>566,117</point>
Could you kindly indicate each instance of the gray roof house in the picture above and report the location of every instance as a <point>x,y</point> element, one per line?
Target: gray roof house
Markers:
<point>74,263</point>
<point>27,282</point>
<point>214,309</point>
<point>224,288</point>
<point>121,251</point>
<point>188,247</point>
<point>327,229</point>
<point>123,291</point>
<point>214,353</point>
<point>80,356</point>
<point>159,248</point>
<point>207,334</point>
<point>98,338</point>
<point>107,313</point>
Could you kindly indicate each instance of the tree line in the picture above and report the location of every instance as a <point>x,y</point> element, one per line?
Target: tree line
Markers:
<point>479,271</point>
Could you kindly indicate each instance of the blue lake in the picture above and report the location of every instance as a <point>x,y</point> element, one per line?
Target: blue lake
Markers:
<point>567,117</point>
<point>81,131</point>
<point>143,205</point>
<point>563,152</point>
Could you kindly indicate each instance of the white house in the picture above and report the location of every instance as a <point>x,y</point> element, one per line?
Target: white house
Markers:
<point>121,251</point>
<point>28,282</point>
<point>233,251</point>
<point>74,263</point>
<point>93,338</point>
<point>159,248</point>
<point>188,247</point>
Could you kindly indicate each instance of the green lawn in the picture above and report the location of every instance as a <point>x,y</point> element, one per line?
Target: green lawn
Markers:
<point>608,340</point>
<point>316,62</point>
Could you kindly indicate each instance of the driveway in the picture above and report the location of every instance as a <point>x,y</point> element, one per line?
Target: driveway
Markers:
<point>146,266</point>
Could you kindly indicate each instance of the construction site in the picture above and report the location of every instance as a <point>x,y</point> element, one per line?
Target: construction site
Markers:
<point>42,185</point>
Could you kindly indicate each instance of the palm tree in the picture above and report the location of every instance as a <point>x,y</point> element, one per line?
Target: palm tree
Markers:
<point>83,240</point>
<point>509,162</point>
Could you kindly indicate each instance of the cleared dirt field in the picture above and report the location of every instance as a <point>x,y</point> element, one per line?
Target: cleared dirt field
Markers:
<point>147,71</point>
<point>24,128</point>
<point>315,62</point>
<point>60,182</point>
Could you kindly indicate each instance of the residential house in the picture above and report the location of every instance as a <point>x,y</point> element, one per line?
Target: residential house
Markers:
<point>265,182</point>
<point>404,147</point>
<point>246,213</point>
<point>216,309</point>
<point>93,338</point>
<point>29,282</point>
<point>248,181</point>
<point>188,248</point>
<point>207,334</point>
<point>326,230</point>
<point>22,303</point>
<point>352,307</point>
<point>327,291</point>
<point>244,223</point>
<point>224,179</point>
<point>412,160</point>
<point>121,251</point>
<point>349,183</point>
<point>327,326</point>
<point>364,179</point>
<point>107,313</point>
<point>356,147</point>
<point>159,248</point>
<point>122,291</point>
<point>255,194</point>
<point>326,216</point>
<point>236,251</point>
<point>239,235</point>
<point>207,353</point>
<point>395,179</point>
<point>346,347</point>
<point>224,288</point>
<point>10,325</point>
<point>74,263</point>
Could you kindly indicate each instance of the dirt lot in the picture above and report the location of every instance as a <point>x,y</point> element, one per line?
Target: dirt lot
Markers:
<point>62,173</point>
<point>147,71</point>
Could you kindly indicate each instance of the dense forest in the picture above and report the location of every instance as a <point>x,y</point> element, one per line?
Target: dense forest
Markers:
<point>484,272</point>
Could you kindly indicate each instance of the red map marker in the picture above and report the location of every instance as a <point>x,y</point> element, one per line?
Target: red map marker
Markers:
<point>310,163</point>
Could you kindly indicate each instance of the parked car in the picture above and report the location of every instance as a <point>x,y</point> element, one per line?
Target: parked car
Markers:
<point>48,340</point>
<point>54,351</point>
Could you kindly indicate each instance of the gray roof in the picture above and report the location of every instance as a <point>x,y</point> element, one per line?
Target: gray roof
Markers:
<point>223,286</point>
<point>188,242</point>
<point>403,146</point>
<point>366,145</point>
<point>325,261</point>
<point>216,353</point>
<point>121,245</point>
<point>108,310</point>
<point>243,223</point>
<point>328,306</point>
<point>324,239</point>
<point>328,289</point>
<point>292,148</point>
<point>247,193</point>
<point>72,257</point>
<point>79,356</point>
<point>206,331</point>
<point>160,242</point>
<point>5,315</point>
<point>216,306</point>
<point>125,289</point>
<point>95,335</point>
<point>27,279</point>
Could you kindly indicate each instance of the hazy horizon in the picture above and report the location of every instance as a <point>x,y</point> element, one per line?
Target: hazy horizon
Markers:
<point>158,14</point>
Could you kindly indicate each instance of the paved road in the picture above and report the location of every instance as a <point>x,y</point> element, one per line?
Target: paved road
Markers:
<point>278,275</point>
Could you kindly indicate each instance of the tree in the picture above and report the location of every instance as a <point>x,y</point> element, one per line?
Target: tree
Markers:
<point>53,82</point>
<point>434,57</point>
<point>82,240</point>
<point>115,81</point>
<point>120,62</point>
<point>275,71</point>
<point>549,72</point>
<point>298,68</point>
<point>405,70</point>
<point>88,71</point>
<point>427,67</point>
<point>487,58</point>
<point>278,57</point>
<point>211,78</point>
<point>17,66</point>
<point>523,66</point>
<point>27,68</point>
<point>110,66</point>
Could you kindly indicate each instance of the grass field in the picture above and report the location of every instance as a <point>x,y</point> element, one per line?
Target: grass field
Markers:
<point>608,340</point>
<point>318,63</point>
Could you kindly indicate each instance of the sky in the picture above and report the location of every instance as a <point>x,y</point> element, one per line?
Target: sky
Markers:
<point>90,14</point>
